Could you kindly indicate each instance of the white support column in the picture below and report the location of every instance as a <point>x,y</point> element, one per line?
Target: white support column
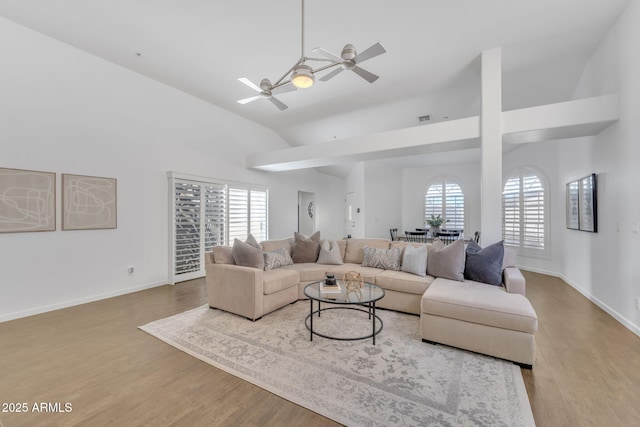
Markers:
<point>491,143</point>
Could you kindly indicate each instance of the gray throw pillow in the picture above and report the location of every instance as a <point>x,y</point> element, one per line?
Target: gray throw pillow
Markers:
<point>306,249</point>
<point>388,259</point>
<point>447,261</point>
<point>414,260</point>
<point>330,253</point>
<point>484,265</point>
<point>276,259</point>
<point>246,254</point>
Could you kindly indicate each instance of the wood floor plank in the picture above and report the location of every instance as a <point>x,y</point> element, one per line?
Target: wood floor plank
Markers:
<point>586,372</point>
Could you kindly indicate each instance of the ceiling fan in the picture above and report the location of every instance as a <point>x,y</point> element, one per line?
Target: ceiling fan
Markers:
<point>349,59</point>
<point>265,91</point>
<point>302,75</point>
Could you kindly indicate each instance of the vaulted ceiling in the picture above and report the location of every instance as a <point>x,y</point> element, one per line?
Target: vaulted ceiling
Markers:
<point>203,46</point>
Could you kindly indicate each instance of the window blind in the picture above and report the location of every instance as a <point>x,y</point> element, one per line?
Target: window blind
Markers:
<point>187,232</point>
<point>208,214</point>
<point>238,214</point>
<point>446,199</point>
<point>258,215</point>
<point>523,203</point>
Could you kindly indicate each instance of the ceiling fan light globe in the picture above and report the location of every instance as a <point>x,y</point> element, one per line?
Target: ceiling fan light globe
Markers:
<point>302,77</point>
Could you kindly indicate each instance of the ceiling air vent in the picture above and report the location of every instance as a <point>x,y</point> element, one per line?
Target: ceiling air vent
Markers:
<point>426,118</point>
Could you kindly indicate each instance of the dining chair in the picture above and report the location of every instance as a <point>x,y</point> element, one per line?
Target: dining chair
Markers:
<point>448,237</point>
<point>416,236</point>
<point>476,237</point>
<point>394,234</point>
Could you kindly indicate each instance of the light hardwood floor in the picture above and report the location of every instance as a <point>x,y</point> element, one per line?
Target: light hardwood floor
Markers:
<point>587,369</point>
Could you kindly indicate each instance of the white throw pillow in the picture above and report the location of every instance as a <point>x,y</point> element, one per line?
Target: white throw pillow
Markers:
<point>414,260</point>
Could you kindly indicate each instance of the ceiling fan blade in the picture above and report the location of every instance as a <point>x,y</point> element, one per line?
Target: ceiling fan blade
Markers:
<point>278,103</point>
<point>326,53</point>
<point>370,77</point>
<point>372,52</point>
<point>289,87</point>
<point>331,74</point>
<point>247,100</point>
<point>250,84</point>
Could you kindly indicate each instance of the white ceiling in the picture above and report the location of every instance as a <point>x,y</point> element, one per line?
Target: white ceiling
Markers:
<point>203,46</point>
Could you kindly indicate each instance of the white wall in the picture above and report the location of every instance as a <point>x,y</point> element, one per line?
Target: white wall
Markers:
<point>383,199</point>
<point>415,181</point>
<point>65,111</point>
<point>355,192</point>
<point>612,275</point>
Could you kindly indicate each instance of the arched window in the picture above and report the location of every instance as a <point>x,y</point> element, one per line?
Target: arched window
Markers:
<point>445,198</point>
<point>524,206</point>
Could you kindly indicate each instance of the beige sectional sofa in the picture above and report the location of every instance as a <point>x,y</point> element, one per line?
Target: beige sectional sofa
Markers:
<point>494,320</point>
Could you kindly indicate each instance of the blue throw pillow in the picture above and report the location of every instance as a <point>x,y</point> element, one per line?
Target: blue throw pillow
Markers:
<point>484,265</point>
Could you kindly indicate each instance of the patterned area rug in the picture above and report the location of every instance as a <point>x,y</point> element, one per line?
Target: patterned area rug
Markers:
<point>399,381</point>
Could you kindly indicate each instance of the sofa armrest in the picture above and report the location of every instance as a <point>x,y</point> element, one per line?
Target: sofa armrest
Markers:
<point>514,281</point>
<point>236,289</point>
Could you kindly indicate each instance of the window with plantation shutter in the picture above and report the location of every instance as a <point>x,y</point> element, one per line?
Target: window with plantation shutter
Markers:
<point>524,211</point>
<point>207,214</point>
<point>445,198</point>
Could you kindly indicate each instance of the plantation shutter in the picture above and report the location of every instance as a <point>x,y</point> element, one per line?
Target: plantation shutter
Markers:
<point>187,227</point>
<point>511,212</point>
<point>205,214</point>
<point>215,216</point>
<point>454,207</point>
<point>433,201</point>
<point>238,214</point>
<point>533,212</point>
<point>258,214</point>
<point>523,204</point>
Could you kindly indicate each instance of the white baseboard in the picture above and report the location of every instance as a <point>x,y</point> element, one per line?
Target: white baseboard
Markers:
<point>620,318</point>
<point>84,300</point>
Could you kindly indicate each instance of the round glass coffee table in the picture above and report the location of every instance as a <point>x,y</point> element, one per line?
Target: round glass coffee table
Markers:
<point>345,300</point>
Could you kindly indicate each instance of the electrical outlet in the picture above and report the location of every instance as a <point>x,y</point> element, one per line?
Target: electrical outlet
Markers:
<point>130,270</point>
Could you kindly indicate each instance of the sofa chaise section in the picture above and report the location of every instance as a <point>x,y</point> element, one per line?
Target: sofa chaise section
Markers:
<point>481,318</point>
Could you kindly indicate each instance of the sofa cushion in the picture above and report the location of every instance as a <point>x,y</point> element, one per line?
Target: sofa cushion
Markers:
<point>484,265</point>
<point>414,260</point>
<point>446,260</point>
<point>272,245</point>
<point>403,282</point>
<point>387,259</point>
<point>330,253</point>
<point>479,303</point>
<point>279,279</point>
<point>223,255</point>
<point>355,248</point>
<point>248,253</point>
<point>306,249</point>
<point>276,259</point>
<point>309,271</point>
<point>368,273</point>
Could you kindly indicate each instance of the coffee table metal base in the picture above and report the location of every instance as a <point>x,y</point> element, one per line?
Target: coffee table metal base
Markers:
<point>371,311</point>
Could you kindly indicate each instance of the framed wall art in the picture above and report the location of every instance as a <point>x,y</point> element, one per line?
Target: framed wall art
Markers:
<point>27,200</point>
<point>573,209</point>
<point>588,203</point>
<point>88,202</point>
